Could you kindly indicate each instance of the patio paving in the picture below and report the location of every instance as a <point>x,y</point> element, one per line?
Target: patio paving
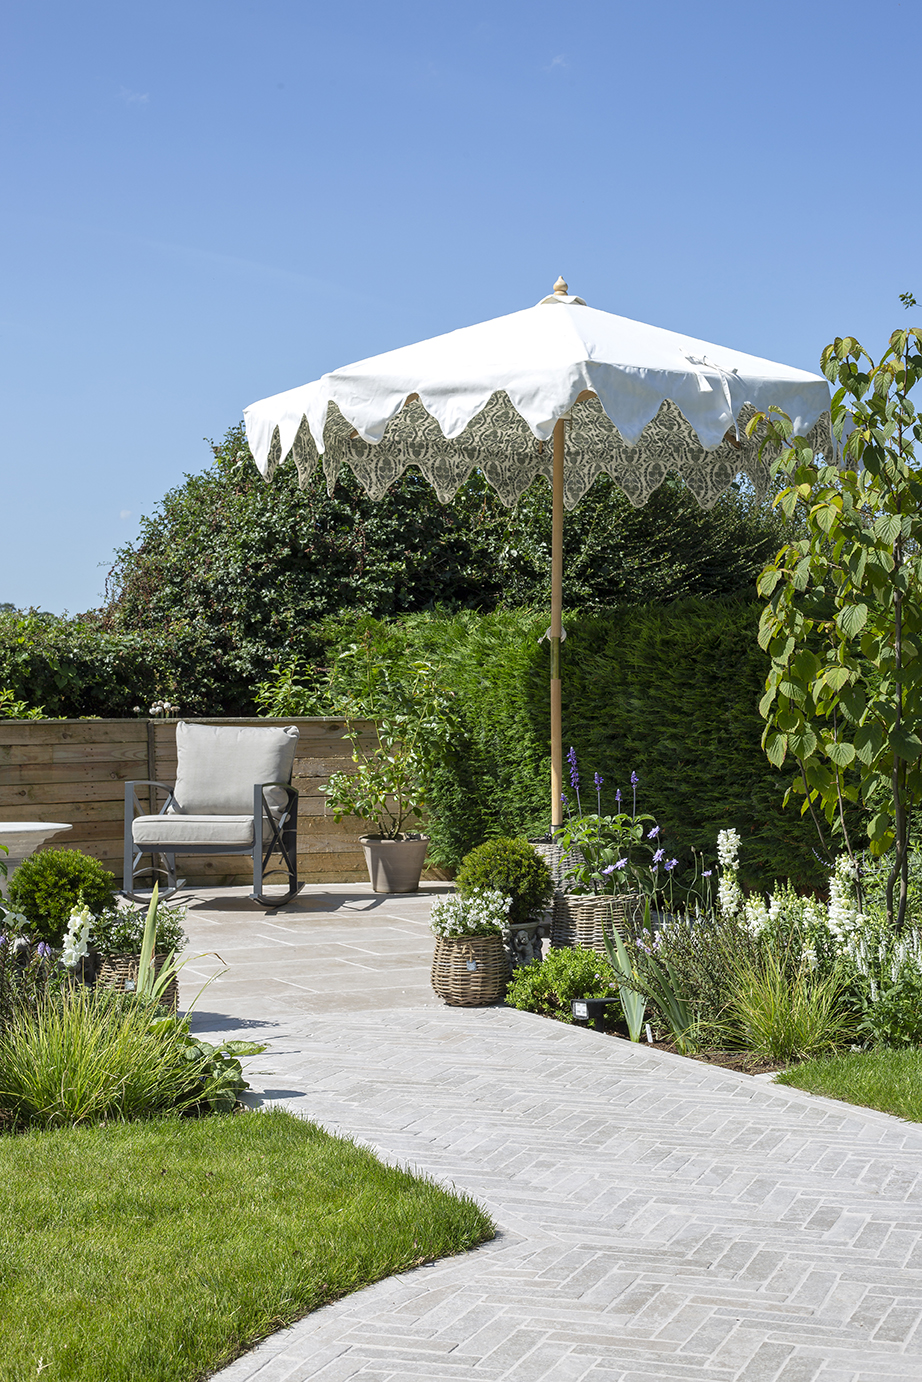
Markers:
<point>658,1218</point>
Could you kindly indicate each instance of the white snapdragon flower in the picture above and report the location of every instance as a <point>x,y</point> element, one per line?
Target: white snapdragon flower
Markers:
<point>729,895</point>
<point>728,848</point>
<point>843,916</point>
<point>757,915</point>
<point>77,939</point>
<point>12,922</point>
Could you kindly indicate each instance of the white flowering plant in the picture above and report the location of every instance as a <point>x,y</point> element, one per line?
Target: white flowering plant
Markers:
<point>77,937</point>
<point>481,913</point>
<point>881,969</point>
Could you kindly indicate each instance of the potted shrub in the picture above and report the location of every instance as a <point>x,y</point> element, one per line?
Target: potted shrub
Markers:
<point>470,966</point>
<point>512,868</point>
<point>411,720</point>
<point>385,789</point>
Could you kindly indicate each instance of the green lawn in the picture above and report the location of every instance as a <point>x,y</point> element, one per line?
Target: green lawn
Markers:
<point>155,1251</point>
<point>881,1079</point>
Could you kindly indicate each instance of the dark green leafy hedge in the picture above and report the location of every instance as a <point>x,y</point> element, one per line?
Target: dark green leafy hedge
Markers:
<point>669,692</point>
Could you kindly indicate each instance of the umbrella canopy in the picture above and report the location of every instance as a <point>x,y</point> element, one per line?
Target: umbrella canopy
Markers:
<point>560,390</point>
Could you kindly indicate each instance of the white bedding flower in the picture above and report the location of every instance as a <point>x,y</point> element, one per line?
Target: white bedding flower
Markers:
<point>757,915</point>
<point>479,914</point>
<point>729,895</point>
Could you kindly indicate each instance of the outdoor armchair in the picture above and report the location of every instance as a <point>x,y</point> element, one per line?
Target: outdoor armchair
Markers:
<point>232,795</point>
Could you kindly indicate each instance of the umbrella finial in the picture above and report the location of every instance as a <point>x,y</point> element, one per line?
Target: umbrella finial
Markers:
<point>560,288</point>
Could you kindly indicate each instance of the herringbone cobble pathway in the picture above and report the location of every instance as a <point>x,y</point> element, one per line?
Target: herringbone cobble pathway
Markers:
<point>658,1218</point>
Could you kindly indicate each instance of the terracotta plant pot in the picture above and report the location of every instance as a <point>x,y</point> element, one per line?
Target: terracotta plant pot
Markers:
<point>394,866</point>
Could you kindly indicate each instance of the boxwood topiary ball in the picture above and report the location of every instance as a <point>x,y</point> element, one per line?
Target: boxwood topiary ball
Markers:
<point>48,884</point>
<point>515,869</point>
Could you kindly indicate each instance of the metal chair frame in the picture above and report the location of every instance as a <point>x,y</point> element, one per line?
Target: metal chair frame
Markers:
<point>282,838</point>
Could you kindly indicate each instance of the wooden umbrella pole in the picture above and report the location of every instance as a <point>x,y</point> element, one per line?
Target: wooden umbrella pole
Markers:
<point>556,628</point>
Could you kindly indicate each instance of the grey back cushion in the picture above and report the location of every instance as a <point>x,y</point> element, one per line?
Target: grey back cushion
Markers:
<point>218,766</point>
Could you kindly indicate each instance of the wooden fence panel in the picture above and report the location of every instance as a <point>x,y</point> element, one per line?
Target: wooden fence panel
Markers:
<point>75,770</point>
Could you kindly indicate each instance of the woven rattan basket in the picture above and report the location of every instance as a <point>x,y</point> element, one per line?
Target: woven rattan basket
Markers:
<point>560,862</point>
<point>579,922</point>
<point>120,972</point>
<point>470,971</point>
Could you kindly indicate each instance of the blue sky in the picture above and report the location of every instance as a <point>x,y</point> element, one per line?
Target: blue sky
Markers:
<point>211,201</point>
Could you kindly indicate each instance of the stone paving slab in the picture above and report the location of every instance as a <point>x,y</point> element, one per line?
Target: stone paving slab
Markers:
<point>658,1218</point>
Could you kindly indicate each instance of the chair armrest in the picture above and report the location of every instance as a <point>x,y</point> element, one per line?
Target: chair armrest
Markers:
<point>147,782</point>
<point>278,813</point>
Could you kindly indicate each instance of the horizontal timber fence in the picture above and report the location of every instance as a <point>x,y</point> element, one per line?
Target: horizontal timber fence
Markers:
<point>74,771</point>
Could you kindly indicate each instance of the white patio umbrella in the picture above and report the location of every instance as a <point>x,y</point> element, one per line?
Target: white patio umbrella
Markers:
<point>560,390</point>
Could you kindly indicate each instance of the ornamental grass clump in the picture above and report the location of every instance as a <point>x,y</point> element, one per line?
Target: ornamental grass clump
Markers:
<point>783,1019</point>
<point>511,867</point>
<point>83,1056</point>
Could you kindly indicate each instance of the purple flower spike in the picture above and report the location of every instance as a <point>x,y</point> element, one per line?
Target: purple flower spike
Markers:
<point>707,873</point>
<point>618,797</point>
<point>563,798</point>
<point>658,855</point>
<point>652,834</point>
<point>670,865</point>
<point>634,779</point>
<point>598,781</point>
<point>610,868</point>
<point>621,864</point>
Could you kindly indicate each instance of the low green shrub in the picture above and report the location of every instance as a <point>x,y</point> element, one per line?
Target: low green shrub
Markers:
<point>48,885</point>
<point>549,986</point>
<point>894,1017</point>
<point>511,867</point>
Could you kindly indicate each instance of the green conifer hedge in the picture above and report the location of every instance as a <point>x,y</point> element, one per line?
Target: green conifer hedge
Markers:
<point>669,692</point>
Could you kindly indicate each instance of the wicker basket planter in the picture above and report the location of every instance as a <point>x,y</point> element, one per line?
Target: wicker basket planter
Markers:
<point>470,971</point>
<point>560,862</point>
<point>579,922</point>
<point>120,972</point>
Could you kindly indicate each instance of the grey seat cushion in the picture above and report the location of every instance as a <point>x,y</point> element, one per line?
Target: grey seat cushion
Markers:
<point>218,765</point>
<point>162,831</point>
